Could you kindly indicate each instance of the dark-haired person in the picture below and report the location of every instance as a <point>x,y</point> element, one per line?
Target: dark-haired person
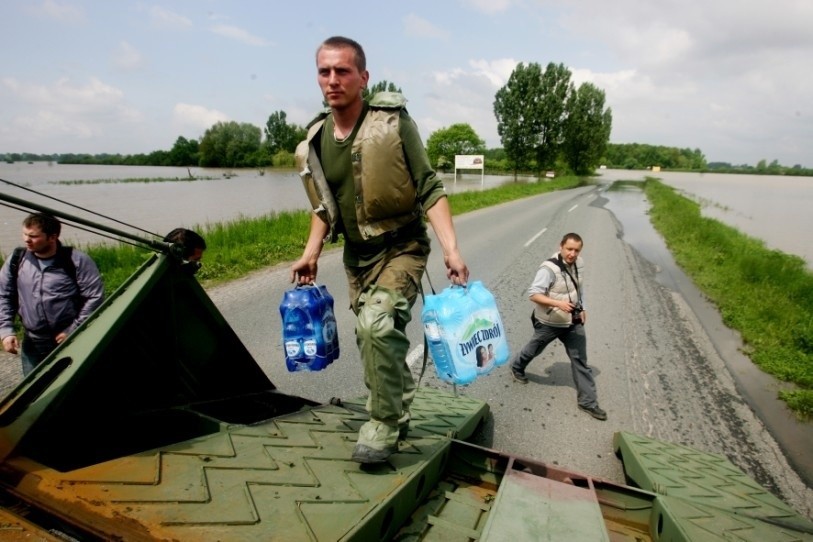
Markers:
<point>558,296</point>
<point>368,178</point>
<point>192,246</point>
<point>52,287</point>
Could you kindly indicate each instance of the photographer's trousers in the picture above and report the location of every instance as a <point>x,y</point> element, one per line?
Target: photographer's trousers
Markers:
<point>574,340</point>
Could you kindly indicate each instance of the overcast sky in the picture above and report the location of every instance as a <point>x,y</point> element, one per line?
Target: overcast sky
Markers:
<point>730,77</point>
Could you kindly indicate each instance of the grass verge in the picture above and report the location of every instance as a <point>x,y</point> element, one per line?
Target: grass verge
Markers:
<point>766,295</point>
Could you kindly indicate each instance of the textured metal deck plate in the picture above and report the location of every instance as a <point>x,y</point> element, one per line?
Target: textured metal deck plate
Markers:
<point>705,493</point>
<point>289,479</point>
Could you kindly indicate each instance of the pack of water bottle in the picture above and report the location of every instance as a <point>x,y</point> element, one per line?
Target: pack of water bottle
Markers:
<point>309,333</point>
<point>464,332</point>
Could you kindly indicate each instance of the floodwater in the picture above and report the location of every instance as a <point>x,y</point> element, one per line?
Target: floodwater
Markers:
<point>775,209</point>
<point>158,207</point>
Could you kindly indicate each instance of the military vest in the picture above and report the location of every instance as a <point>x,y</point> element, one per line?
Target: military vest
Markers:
<point>385,193</point>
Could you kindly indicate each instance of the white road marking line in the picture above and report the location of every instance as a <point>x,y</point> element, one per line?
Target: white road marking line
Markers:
<point>535,237</point>
<point>572,207</point>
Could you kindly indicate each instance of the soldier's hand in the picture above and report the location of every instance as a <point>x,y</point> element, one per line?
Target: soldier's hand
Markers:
<point>456,269</point>
<point>304,271</point>
<point>10,344</point>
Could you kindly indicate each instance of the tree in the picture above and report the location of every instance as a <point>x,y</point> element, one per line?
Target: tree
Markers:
<point>229,144</point>
<point>446,143</point>
<point>515,107</point>
<point>281,136</point>
<point>586,130</point>
<point>184,152</point>
<point>555,90</point>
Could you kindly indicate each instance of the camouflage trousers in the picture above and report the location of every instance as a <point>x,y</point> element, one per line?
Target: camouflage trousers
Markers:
<point>381,296</point>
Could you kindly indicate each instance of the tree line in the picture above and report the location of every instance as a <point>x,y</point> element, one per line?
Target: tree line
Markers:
<point>641,156</point>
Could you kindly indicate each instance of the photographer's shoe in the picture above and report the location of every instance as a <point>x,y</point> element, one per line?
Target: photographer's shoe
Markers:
<point>519,376</point>
<point>595,412</point>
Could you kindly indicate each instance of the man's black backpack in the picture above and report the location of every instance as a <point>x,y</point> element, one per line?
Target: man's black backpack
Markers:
<point>63,256</point>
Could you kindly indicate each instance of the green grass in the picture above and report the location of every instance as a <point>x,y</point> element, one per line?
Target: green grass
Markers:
<point>764,294</point>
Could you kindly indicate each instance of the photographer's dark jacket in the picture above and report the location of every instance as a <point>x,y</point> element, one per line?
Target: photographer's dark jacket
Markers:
<point>560,287</point>
<point>50,301</point>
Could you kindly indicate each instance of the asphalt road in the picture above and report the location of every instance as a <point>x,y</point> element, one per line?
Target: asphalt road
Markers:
<point>657,369</point>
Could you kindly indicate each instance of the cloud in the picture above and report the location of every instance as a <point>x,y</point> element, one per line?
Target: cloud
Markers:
<point>127,57</point>
<point>497,71</point>
<point>163,18</point>
<point>195,119</point>
<point>40,114</point>
<point>421,28</point>
<point>723,76</point>
<point>62,12</point>
<point>487,6</point>
<point>239,34</point>
<point>465,95</point>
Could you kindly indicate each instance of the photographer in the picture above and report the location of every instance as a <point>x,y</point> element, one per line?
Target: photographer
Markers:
<point>558,294</point>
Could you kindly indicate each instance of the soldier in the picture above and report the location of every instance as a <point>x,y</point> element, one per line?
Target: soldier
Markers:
<point>368,178</point>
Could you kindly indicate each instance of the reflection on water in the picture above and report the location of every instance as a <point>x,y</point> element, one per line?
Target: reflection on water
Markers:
<point>626,200</point>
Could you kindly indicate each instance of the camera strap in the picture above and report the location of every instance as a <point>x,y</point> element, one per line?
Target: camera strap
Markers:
<point>558,261</point>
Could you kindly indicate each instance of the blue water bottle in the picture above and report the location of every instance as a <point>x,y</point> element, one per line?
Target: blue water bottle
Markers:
<point>329,328</point>
<point>464,332</point>
<point>309,333</point>
<point>438,349</point>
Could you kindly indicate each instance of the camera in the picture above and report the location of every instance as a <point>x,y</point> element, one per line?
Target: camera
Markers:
<point>577,314</point>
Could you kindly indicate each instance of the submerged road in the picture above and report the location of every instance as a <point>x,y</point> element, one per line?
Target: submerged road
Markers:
<point>657,369</point>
